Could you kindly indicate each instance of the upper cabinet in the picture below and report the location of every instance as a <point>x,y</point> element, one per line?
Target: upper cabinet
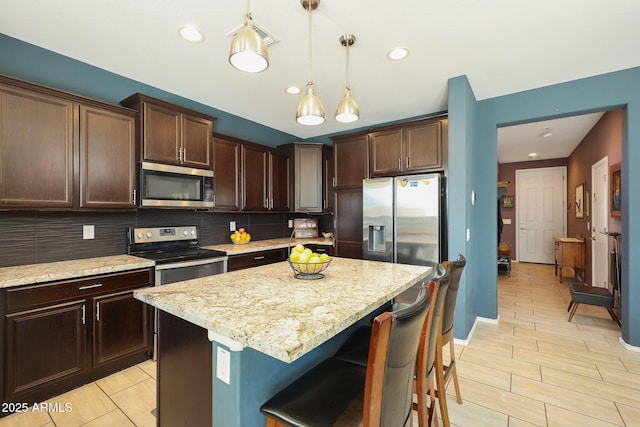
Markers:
<point>307,176</point>
<point>172,134</point>
<point>64,151</point>
<point>351,161</point>
<point>409,148</point>
<point>265,178</point>
<point>227,153</point>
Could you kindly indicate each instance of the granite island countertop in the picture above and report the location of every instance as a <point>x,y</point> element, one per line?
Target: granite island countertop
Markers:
<point>265,245</point>
<point>62,270</point>
<point>269,310</point>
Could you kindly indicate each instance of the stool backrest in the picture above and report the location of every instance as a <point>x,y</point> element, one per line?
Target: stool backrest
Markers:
<point>455,271</point>
<point>434,328</point>
<point>393,349</point>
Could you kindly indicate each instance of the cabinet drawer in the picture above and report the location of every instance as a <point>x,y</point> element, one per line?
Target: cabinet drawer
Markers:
<point>36,295</point>
<point>254,259</point>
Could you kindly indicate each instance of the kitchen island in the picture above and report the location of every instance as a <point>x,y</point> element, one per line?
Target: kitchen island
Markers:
<point>265,328</point>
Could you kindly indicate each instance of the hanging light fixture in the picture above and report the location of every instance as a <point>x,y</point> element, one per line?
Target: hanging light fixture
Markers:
<point>310,110</point>
<point>347,110</point>
<point>248,52</point>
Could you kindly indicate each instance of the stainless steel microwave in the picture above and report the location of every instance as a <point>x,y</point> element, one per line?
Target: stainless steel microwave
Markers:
<point>169,186</point>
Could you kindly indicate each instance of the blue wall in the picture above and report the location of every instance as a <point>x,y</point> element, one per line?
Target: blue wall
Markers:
<point>599,93</point>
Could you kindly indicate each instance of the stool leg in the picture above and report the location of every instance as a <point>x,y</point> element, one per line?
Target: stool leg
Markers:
<point>573,311</point>
<point>570,304</point>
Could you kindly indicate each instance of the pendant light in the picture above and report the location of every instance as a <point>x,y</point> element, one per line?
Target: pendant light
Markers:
<point>248,52</point>
<point>310,110</point>
<point>347,110</point>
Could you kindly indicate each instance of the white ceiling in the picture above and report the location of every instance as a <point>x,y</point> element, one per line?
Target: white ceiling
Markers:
<point>503,46</point>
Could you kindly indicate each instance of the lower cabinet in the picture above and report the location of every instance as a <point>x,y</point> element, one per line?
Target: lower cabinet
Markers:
<point>62,335</point>
<point>255,259</point>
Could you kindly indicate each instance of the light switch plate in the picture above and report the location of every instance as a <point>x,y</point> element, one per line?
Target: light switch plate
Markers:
<point>88,232</point>
<point>290,223</point>
<point>232,226</point>
<point>506,221</point>
<point>223,365</point>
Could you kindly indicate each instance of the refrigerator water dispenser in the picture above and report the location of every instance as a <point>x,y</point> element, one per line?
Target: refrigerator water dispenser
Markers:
<point>377,238</point>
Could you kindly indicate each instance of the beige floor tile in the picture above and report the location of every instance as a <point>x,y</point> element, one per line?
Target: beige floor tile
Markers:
<point>28,418</point>
<point>150,367</point>
<point>471,415</point>
<point>85,403</point>
<point>593,387</point>
<point>515,422</point>
<point>630,414</point>
<point>557,361</point>
<point>506,364</point>
<point>137,402</point>
<point>483,374</point>
<point>522,407</point>
<point>559,417</point>
<point>580,354</point>
<point>115,418</point>
<point>121,380</point>
<point>580,403</point>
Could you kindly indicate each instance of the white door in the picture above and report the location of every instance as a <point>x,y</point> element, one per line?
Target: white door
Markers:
<point>599,218</point>
<point>541,196</point>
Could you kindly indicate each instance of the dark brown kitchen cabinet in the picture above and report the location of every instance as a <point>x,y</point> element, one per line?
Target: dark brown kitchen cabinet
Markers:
<point>328,177</point>
<point>255,259</point>
<point>408,148</point>
<point>348,223</point>
<point>172,134</point>
<point>37,138</point>
<point>63,151</point>
<point>227,177</point>
<point>61,335</point>
<point>265,178</point>
<point>108,159</point>
<point>351,160</point>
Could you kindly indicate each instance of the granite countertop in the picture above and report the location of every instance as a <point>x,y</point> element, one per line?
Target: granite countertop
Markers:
<point>62,270</point>
<point>269,310</point>
<point>265,245</point>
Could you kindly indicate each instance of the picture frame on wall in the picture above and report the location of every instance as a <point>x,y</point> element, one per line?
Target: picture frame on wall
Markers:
<point>507,202</point>
<point>615,190</point>
<point>579,201</point>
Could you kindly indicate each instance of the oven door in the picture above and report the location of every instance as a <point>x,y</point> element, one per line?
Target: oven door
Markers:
<point>187,270</point>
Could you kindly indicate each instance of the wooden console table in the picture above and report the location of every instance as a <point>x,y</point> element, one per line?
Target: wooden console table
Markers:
<point>570,252</point>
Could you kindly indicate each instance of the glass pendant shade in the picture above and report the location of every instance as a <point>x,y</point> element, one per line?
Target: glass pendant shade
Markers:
<point>347,110</point>
<point>248,52</point>
<point>310,110</point>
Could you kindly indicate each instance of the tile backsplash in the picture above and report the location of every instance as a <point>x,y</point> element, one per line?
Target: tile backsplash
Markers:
<point>38,237</point>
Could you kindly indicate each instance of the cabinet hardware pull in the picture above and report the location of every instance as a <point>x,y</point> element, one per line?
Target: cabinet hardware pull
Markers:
<point>133,197</point>
<point>97,312</point>
<point>408,162</point>
<point>266,203</point>
<point>271,203</point>
<point>333,181</point>
<point>97,285</point>
<point>399,163</point>
<point>256,258</point>
<point>83,313</point>
<point>184,154</point>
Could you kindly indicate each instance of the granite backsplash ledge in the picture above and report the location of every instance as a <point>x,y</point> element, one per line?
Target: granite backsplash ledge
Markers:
<point>38,237</point>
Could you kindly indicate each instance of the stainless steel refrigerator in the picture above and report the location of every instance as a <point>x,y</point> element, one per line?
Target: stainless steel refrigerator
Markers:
<point>403,219</point>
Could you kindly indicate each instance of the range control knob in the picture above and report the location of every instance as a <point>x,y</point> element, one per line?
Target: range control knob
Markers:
<point>139,235</point>
<point>185,233</point>
<point>149,234</point>
<point>193,232</point>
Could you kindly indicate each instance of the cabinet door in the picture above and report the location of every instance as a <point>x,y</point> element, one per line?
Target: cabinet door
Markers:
<point>36,149</point>
<point>348,223</point>
<point>279,182</point>
<point>308,188</point>
<point>43,346</point>
<point>161,134</point>
<point>108,159</point>
<point>386,152</point>
<point>423,147</point>
<point>122,326</point>
<point>328,176</point>
<point>196,142</point>
<point>254,178</point>
<point>351,161</point>
<point>226,168</point>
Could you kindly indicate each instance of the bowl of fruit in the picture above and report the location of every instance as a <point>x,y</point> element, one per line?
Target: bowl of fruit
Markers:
<point>306,264</point>
<point>240,237</point>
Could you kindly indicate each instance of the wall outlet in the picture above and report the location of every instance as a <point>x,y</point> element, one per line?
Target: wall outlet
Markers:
<point>290,223</point>
<point>223,365</point>
<point>506,221</point>
<point>88,232</point>
<point>232,226</point>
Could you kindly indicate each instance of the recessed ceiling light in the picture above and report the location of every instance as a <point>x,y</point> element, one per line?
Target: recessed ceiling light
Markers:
<point>191,34</point>
<point>293,90</point>
<point>398,53</point>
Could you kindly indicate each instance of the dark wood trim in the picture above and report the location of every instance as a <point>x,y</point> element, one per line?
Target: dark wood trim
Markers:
<point>137,98</point>
<point>435,118</point>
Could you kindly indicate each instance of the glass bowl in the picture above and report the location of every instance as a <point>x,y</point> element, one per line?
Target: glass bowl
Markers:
<point>309,270</point>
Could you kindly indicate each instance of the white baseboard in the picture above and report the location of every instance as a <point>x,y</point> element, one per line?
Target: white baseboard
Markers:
<point>629,346</point>
<point>465,342</point>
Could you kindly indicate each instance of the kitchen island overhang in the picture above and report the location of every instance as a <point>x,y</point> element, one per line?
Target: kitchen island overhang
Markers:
<point>275,324</point>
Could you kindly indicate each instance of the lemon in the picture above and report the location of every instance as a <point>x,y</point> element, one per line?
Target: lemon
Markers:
<point>294,257</point>
<point>324,257</point>
<point>298,248</point>
<point>303,257</point>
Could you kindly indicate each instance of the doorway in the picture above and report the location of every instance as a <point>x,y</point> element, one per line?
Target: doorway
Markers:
<point>541,214</point>
<point>599,209</point>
